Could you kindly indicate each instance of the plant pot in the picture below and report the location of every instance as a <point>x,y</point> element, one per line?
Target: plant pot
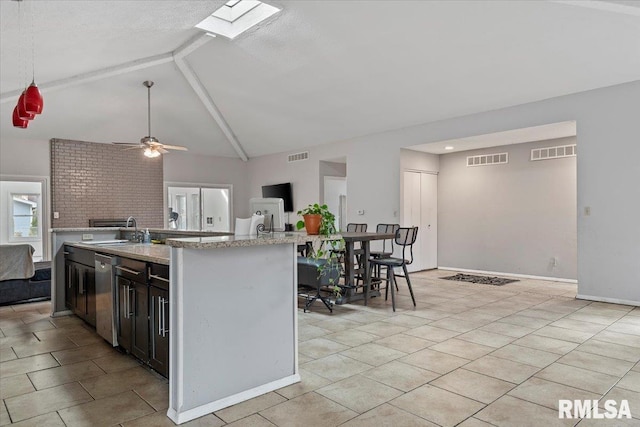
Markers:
<point>312,223</point>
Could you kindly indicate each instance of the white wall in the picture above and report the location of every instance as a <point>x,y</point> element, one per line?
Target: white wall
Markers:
<point>198,169</point>
<point>516,217</point>
<point>24,157</point>
<point>608,176</point>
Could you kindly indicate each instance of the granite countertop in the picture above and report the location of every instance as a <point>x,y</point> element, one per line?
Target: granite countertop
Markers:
<point>151,230</point>
<point>243,241</point>
<point>141,251</point>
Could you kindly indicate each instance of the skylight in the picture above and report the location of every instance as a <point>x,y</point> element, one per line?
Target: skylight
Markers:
<point>236,16</point>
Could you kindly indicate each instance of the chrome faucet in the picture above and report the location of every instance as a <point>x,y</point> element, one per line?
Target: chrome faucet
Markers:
<point>135,238</point>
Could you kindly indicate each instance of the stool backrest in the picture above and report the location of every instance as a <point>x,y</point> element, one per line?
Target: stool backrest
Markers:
<point>356,228</point>
<point>406,237</point>
<point>387,229</point>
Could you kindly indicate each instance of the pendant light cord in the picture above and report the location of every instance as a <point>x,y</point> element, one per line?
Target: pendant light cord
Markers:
<point>149,109</point>
<point>33,46</point>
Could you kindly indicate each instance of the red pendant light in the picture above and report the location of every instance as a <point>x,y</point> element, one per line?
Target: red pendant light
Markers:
<point>17,121</point>
<point>22,112</point>
<point>33,102</point>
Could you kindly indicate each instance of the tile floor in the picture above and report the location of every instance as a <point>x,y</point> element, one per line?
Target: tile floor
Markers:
<point>468,355</point>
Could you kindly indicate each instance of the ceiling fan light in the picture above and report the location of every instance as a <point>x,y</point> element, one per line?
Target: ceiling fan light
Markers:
<point>151,152</point>
<point>33,102</point>
<point>22,112</point>
<point>17,121</point>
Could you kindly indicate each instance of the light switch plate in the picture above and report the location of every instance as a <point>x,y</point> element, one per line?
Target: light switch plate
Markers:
<point>87,237</point>
<point>56,215</point>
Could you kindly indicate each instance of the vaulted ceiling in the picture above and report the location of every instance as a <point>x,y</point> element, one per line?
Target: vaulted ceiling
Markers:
<point>317,72</point>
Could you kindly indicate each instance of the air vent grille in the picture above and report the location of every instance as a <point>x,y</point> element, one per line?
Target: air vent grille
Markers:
<point>553,152</point>
<point>297,157</point>
<point>488,159</point>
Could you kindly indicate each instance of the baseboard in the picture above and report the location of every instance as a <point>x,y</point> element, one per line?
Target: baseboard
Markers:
<point>500,273</point>
<point>191,414</point>
<point>609,300</point>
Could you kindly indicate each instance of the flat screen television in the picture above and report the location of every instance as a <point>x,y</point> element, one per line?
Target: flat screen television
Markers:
<point>280,191</point>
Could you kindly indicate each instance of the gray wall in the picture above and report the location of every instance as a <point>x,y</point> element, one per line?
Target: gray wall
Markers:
<point>199,169</point>
<point>513,217</point>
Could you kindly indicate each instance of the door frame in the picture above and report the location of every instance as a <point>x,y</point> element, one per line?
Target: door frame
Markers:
<point>46,207</point>
<point>165,197</point>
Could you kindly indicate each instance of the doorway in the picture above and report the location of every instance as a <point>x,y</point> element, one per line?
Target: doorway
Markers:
<point>420,208</point>
<point>335,197</point>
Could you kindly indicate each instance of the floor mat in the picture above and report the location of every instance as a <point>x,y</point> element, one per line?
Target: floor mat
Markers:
<point>483,280</point>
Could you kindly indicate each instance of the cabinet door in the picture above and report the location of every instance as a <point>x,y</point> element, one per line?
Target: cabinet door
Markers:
<point>124,311</point>
<point>140,321</point>
<point>159,329</point>
<point>90,292</point>
<point>80,306</point>
<point>70,281</point>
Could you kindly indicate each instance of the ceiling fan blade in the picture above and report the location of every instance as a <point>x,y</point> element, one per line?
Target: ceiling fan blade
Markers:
<point>137,147</point>
<point>175,147</point>
<point>161,150</point>
<point>136,144</point>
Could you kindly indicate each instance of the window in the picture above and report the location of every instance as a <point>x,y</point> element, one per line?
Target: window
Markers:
<point>25,217</point>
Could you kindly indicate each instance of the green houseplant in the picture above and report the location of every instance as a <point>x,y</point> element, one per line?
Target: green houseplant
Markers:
<point>325,223</point>
<point>318,219</point>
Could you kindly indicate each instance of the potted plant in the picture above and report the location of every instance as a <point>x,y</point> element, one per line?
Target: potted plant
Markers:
<point>317,220</point>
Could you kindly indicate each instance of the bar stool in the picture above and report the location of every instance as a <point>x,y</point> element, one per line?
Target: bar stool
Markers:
<point>387,247</point>
<point>405,237</point>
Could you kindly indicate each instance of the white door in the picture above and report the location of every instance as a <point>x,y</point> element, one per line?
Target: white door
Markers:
<point>335,197</point>
<point>420,208</point>
<point>215,209</point>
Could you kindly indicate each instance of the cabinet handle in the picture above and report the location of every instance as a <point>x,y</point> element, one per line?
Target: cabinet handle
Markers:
<point>155,276</point>
<point>164,318</point>
<point>128,270</point>
<point>66,253</point>
<point>132,310</point>
<point>160,317</point>
<point>153,340</point>
<point>81,284</point>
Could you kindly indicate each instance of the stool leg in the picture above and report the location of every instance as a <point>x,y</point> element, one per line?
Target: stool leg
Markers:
<point>393,292</point>
<point>406,276</point>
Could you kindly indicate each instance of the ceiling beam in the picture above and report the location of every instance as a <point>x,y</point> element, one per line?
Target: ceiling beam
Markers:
<point>208,103</point>
<point>190,76</point>
<point>138,64</point>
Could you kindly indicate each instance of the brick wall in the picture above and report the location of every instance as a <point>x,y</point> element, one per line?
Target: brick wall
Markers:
<point>92,180</point>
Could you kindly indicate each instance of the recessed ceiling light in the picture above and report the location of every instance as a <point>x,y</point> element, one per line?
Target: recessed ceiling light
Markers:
<point>448,147</point>
<point>236,16</point>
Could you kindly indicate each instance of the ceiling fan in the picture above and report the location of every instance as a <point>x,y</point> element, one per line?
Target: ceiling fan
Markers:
<point>151,146</point>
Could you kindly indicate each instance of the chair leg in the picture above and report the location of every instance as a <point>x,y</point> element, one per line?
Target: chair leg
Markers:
<point>393,292</point>
<point>387,282</point>
<point>406,276</point>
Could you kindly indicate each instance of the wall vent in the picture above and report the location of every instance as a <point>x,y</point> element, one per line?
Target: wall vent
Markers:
<point>553,152</point>
<point>488,159</point>
<point>297,157</point>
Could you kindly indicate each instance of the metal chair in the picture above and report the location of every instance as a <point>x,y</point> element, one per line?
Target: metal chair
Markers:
<point>387,247</point>
<point>405,237</point>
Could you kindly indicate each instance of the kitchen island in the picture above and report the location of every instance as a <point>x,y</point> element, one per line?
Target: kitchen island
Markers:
<point>233,314</point>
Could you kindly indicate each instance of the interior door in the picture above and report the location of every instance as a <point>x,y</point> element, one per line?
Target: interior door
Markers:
<point>420,208</point>
<point>335,197</point>
<point>215,209</point>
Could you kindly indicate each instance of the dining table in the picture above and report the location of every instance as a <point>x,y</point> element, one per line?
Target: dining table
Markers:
<point>353,268</point>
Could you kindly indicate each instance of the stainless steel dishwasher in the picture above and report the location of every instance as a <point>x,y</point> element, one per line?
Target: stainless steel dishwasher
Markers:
<point>105,297</point>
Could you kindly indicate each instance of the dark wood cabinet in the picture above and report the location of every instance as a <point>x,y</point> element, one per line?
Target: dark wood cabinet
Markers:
<point>159,318</point>
<point>80,278</point>
<point>133,307</point>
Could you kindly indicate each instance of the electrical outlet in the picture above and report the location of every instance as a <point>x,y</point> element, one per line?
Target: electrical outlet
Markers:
<point>87,237</point>
<point>56,215</point>
<point>361,212</point>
